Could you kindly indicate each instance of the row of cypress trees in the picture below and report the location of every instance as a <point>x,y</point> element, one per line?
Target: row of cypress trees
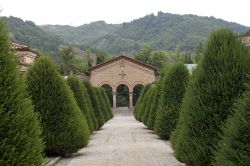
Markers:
<point>159,104</point>
<point>208,124</point>
<point>46,115</point>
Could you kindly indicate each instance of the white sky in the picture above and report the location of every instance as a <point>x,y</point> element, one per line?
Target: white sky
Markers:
<point>78,12</point>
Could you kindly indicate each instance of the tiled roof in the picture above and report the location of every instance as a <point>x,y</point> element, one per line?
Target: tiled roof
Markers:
<point>126,58</point>
<point>19,47</point>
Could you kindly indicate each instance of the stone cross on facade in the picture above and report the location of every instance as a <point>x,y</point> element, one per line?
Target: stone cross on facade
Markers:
<point>122,74</point>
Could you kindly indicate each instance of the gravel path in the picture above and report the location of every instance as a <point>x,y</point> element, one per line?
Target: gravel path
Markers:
<point>123,142</point>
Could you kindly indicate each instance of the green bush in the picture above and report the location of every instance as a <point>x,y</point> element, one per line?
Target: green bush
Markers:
<point>19,127</point>
<point>144,104</point>
<point>148,105</point>
<point>154,106</point>
<point>107,103</point>
<point>95,104</point>
<point>217,83</point>
<point>234,149</point>
<point>139,101</point>
<point>173,89</point>
<point>65,128</point>
<point>102,104</point>
<point>81,96</point>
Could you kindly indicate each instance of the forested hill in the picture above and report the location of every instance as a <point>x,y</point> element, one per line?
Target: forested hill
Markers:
<point>162,31</point>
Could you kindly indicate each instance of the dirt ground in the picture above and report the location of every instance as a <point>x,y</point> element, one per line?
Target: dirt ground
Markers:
<point>123,141</point>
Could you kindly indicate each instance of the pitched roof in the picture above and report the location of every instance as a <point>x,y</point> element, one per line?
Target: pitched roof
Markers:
<point>126,58</point>
<point>19,47</point>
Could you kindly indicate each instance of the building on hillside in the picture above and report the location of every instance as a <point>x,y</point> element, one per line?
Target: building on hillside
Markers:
<point>245,38</point>
<point>25,54</point>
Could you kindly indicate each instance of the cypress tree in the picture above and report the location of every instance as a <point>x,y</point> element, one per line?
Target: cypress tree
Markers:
<point>107,103</point>
<point>65,129</point>
<point>80,94</point>
<point>102,104</point>
<point>95,104</point>
<point>217,83</point>
<point>20,142</point>
<point>234,148</point>
<point>144,104</point>
<point>139,101</point>
<point>148,105</point>
<point>173,89</point>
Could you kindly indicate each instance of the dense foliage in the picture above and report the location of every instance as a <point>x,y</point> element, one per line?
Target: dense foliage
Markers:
<point>185,31</point>
<point>95,104</point>
<point>216,85</point>
<point>103,106</point>
<point>20,130</point>
<point>107,104</point>
<point>173,88</point>
<point>234,149</point>
<point>80,94</point>
<point>65,128</point>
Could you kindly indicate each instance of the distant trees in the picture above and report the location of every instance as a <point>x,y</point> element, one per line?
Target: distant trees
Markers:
<point>65,129</point>
<point>20,130</point>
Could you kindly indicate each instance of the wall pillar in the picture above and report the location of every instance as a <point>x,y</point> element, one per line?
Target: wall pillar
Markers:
<point>130,99</point>
<point>114,100</point>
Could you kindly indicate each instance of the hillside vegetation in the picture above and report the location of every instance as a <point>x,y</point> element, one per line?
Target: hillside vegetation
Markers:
<point>163,31</point>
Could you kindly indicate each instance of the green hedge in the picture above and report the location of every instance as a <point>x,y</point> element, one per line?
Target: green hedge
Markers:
<point>218,82</point>
<point>65,129</point>
<point>19,127</point>
<point>107,103</point>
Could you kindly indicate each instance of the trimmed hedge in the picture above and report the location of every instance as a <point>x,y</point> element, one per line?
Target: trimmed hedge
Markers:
<point>218,82</point>
<point>65,129</point>
<point>173,89</point>
<point>234,149</point>
<point>148,105</point>
<point>95,104</point>
<point>80,95</point>
<point>102,104</point>
<point>20,129</point>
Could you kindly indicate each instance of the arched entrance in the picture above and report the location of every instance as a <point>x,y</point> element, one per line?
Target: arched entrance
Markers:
<point>122,96</point>
<point>137,89</point>
<point>122,70</point>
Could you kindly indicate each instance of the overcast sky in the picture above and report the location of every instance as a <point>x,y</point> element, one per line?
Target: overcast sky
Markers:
<point>78,12</point>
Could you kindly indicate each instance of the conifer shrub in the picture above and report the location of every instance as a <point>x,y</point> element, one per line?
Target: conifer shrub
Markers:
<point>65,128</point>
<point>20,130</point>
<point>144,104</point>
<point>102,104</point>
<point>80,95</point>
<point>95,104</point>
<point>234,148</point>
<point>173,89</point>
<point>139,101</point>
<point>148,105</point>
<point>217,83</point>
<point>107,103</point>
<point>154,106</point>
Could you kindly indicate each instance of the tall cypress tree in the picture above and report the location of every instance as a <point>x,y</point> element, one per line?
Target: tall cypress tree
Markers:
<point>107,103</point>
<point>20,130</point>
<point>234,148</point>
<point>174,85</point>
<point>102,104</point>
<point>81,97</point>
<point>217,83</point>
<point>95,104</point>
<point>65,129</point>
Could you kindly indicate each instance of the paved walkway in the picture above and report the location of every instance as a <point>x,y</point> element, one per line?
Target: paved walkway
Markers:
<point>123,142</point>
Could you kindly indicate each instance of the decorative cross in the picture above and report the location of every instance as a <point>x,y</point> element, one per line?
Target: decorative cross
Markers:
<point>122,74</point>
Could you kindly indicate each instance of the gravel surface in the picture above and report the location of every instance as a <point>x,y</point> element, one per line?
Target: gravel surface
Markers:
<point>123,141</point>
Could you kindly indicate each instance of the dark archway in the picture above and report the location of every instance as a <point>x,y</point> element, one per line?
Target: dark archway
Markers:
<point>122,96</point>
<point>137,89</point>
<point>108,90</point>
